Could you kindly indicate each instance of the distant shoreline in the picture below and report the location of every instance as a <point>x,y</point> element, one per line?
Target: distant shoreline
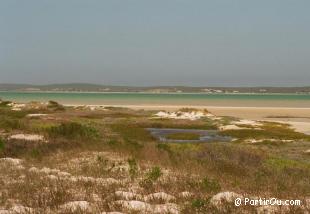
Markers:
<point>151,93</point>
<point>98,88</point>
<point>150,106</point>
<point>145,99</point>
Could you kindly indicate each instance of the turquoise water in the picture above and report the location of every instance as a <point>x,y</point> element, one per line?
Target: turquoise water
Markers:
<point>286,100</point>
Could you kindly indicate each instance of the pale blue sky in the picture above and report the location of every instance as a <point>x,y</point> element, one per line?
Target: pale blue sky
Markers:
<point>159,42</point>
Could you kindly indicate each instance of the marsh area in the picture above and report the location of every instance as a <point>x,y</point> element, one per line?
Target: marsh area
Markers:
<point>187,135</point>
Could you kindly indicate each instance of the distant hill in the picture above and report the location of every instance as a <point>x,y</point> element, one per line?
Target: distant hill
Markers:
<point>84,87</point>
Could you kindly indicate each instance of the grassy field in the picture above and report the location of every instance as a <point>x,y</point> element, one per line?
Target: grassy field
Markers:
<point>92,161</point>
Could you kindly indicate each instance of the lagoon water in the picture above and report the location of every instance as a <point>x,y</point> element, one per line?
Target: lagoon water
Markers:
<point>205,135</point>
<point>184,99</point>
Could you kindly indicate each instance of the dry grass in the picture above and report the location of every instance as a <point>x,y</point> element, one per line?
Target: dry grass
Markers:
<point>107,159</point>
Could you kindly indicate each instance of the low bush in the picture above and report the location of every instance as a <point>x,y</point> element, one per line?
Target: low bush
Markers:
<point>8,123</point>
<point>4,103</point>
<point>55,106</point>
<point>73,130</point>
<point>1,145</point>
<point>131,132</point>
<point>210,185</point>
<point>133,168</point>
<point>154,174</point>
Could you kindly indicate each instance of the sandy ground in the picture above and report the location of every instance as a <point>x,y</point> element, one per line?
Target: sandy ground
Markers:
<point>255,113</point>
<point>299,118</point>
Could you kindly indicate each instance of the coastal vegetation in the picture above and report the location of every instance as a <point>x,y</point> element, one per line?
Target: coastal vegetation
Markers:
<point>183,136</point>
<point>83,160</point>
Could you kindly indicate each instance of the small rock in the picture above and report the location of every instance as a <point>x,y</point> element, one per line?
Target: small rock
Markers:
<point>223,197</point>
<point>166,208</point>
<point>75,206</point>
<point>13,161</point>
<point>4,211</point>
<point>63,174</point>
<point>27,137</point>
<point>160,196</point>
<point>35,115</point>
<point>34,170</point>
<point>127,195</point>
<point>137,206</point>
<point>112,213</point>
<point>267,209</point>
<point>52,177</point>
<point>21,209</point>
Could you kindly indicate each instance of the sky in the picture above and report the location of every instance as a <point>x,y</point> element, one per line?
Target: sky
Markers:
<point>159,42</point>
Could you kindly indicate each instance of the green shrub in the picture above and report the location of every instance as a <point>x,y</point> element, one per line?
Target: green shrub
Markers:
<point>4,103</point>
<point>73,130</point>
<point>36,153</point>
<point>133,168</point>
<point>10,123</point>
<point>131,132</point>
<point>147,184</point>
<point>154,173</point>
<point>53,105</point>
<point>210,185</point>
<point>1,145</point>
<point>164,146</point>
<point>198,203</point>
<point>112,142</point>
<point>6,112</point>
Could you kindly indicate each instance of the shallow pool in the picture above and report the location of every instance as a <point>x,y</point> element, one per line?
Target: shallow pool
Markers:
<point>205,135</point>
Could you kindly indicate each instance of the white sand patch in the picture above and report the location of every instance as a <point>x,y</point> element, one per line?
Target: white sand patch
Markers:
<point>303,127</point>
<point>248,122</point>
<point>49,171</point>
<point>34,170</point>
<point>231,127</point>
<point>192,115</point>
<point>3,211</point>
<point>159,196</point>
<point>307,151</point>
<point>112,213</point>
<point>75,206</point>
<point>272,209</point>
<point>36,115</point>
<point>21,209</point>
<point>186,194</point>
<point>224,197</point>
<point>67,176</point>
<point>166,208</point>
<point>27,137</point>
<point>253,141</point>
<point>13,161</point>
<point>139,206</point>
<point>154,196</point>
<point>128,195</point>
<point>237,125</point>
<point>52,177</point>
<point>16,106</point>
<point>99,181</point>
<point>63,174</point>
